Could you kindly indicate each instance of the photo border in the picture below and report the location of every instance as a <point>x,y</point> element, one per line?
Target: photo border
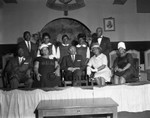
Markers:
<point>111,26</point>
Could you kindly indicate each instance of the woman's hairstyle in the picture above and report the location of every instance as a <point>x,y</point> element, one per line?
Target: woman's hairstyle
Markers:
<point>45,34</point>
<point>81,35</point>
<point>65,35</point>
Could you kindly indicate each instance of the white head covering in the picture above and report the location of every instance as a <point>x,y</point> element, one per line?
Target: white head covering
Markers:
<point>121,45</point>
<point>43,46</point>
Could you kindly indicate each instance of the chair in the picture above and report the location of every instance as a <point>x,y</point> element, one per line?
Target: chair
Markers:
<point>1,81</point>
<point>137,69</point>
<point>147,59</point>
<point>112,57</point>
<point>65,82</point>
<point>83,81</point>
<point>136,62</point>
<point>135,54</point>
<point>92,80</point>
<point>5,60</point>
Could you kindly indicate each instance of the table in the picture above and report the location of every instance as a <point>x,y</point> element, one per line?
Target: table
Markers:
<point>76,107</point>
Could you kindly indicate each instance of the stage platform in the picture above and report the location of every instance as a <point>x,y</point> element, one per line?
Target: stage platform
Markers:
<point>133,98</point>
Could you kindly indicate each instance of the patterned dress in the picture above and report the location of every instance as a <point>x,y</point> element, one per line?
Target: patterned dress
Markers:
<point>47,69</point>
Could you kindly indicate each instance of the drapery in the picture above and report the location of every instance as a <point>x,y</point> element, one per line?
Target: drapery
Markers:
<point>22,104</point>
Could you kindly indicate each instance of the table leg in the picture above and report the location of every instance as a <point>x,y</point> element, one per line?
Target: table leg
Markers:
<point>40,114</point>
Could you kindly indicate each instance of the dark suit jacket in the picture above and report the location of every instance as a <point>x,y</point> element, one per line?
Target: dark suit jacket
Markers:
<point>33,51</point>
<point>105,45</point>
<point>18,70</point>
<point>67,62</point>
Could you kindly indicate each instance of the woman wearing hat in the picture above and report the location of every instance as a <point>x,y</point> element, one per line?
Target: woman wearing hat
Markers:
<point>123,68</point>
<point>98,65</point>
<point>46,69</point>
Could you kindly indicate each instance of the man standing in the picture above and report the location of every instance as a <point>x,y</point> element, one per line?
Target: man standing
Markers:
<point>29,48</point>
<point>73,65</point>
<point>104,42</point>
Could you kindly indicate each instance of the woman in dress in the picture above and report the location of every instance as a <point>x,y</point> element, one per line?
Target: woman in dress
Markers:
<point>123,68</point>
<point>46,39</point>
<point>98,65</point>
<point>82,48</point>
<point>46,69</point>
<point>62,49</point>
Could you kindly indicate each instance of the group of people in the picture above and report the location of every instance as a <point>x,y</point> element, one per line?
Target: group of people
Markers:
<point>44,64</point>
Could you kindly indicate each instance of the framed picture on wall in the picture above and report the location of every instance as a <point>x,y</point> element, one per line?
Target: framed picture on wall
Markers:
<point>109,24</point>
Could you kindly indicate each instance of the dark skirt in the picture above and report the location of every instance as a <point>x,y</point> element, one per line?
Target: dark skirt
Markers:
<point>128,74</point>
<point>48,80</point>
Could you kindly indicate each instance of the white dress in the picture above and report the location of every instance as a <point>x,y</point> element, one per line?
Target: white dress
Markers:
<point>96,62</point>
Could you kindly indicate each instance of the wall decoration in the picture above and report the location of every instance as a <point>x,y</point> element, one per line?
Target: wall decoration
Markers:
<point>65,5</point>
<point>109,24</point>
<point>61,26</point>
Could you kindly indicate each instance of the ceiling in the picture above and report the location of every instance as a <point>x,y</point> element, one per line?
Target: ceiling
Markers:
<point>2,2</point>
<point>142,5</point>
<point>10,1</point>
<point>15,1</point>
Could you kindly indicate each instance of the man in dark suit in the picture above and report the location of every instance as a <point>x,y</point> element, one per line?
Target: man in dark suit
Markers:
<point>30,49</point>
<point>73,65</point>
<point>19,70</point>
<point>103,41</point>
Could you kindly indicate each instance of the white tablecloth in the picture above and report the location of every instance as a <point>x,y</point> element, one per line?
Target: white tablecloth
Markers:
<point>22,104</point>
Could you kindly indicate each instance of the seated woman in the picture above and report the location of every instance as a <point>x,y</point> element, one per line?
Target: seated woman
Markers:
<point>46,69</point>
<point>98,64</point>
<point>123,69</point>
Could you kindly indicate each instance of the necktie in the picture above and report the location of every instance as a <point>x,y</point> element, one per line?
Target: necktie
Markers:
<point>20,60</point>
<point>29,47</point>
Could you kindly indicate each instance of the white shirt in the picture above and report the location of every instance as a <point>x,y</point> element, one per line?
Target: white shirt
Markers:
<point>21,59</point>
<point>99,40</point>
<point>65,44</point>
<point>28,44</point>
<point>73,57</point>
